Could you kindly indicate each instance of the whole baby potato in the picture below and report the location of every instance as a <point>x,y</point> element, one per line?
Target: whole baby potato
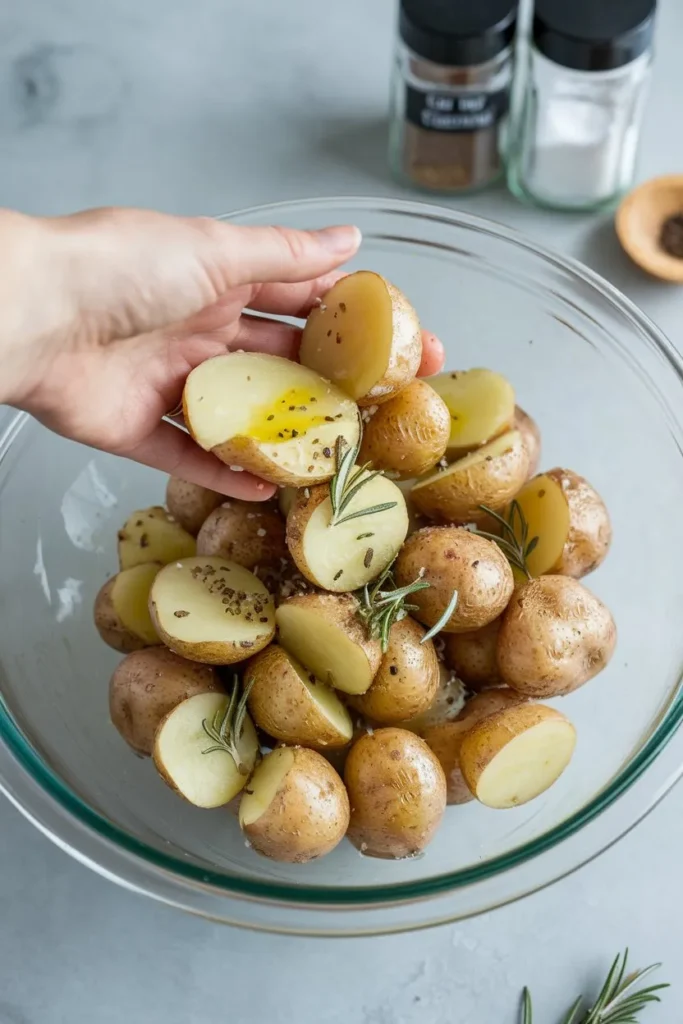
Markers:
<point>474,656</point>
<point>190,504</point>
<point>245,532</point>
<point>408,434</point>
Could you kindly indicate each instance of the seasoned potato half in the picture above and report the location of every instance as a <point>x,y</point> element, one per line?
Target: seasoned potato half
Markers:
<point>531,436</point>
<point>190,504</point>
<point>291,705</point>
<point>151,535</point>
<point>325,634</point>
<point>481,404</point>
<point>205,772</point>
<point>474,656</point>
<point>445,740</point>
<point>408,434</point>
<point>492,476</point>
<point>407,681</point>
<point>365,337</point>
<point>121,609</point>
<point>513,756</point>
<point>447,704</point>
<point>212,610</point>
<point>570,520</point>
<point>397,790</point>
<point>295,808</point>
<point>268,415</point>
<point>245,532</point>
<point>349,554</point>
<point>147,685</point>
<point>450,558</point>
<point>554,636</point>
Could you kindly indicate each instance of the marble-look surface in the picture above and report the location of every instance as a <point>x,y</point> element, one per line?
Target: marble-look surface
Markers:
<point>205,107</point>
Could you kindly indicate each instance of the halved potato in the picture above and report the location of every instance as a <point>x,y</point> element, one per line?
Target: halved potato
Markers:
<point>531,436</point>
<point>211,610</point>
<point>246,532</point>
<point>474,656</point>
<point>324,633</point>
<point>197,767</point>
<point>191,504</point>
<point>295,807</point>
<point>365,337</point>
<point>570,520</point>
<point>152,535</point>
<point>492,476</point>
<point>350,554</point>
<point>121,609</point>
<point>513,756</point>
<point>447,704</point>
<point>408,434</point>
<point>291,705</point>
<point>481,404</point>
<point>269,415</point>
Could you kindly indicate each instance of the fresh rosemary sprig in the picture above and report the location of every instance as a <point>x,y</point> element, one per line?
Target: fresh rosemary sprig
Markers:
<point>619,1001</point>
<point>345,485</point>
<point>225,729</point>
<point>514,541</point>
<point>383,604</point>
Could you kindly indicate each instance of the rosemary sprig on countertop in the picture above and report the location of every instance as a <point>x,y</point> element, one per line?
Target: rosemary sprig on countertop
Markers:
<point>345,485</point>
<point>225,729</point>
<point>514,543</point>
<point>383,604</point>
<point>619,1001</point>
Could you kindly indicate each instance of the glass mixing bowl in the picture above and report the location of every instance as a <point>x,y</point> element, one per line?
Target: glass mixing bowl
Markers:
<point>606,388</point>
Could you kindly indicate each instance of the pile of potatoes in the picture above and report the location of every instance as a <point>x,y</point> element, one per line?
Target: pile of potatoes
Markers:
<point>350,658</point>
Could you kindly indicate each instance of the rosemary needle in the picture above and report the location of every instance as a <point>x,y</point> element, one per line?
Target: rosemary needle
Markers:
<point>452,604</point>
<point>514,541</point>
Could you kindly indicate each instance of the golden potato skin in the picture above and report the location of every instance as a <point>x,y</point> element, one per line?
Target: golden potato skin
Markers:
<point>408,434</point>
<point>590,529</point>
<point>147,685</point>
<point>190,504</point>
<point>397,790</point>
<point>308,816</point>
<point>407,680</point>
<point>555,635</point>
<point>244,532</point>
<point>531,437</point>
<point>109,625</point>
<point>450,558</point>
<point>474,656</point>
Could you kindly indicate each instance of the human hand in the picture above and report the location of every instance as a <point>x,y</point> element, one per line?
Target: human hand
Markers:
<point>107,311</point>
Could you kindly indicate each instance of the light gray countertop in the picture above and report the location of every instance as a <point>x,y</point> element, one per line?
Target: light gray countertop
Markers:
<point>206,107</point>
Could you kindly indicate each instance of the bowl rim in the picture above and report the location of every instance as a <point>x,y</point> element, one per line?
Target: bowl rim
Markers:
<point>358,897</point>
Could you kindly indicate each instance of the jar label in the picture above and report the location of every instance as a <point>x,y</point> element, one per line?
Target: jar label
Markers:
<point>455,112</point>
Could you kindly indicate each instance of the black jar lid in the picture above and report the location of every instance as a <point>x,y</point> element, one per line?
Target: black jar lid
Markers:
<point>458,33</point>
<point>593,35</point>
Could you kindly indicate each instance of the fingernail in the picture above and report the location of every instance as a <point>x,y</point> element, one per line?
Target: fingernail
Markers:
<point>340,240</point>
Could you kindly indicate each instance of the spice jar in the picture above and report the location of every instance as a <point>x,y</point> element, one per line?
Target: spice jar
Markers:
<point>451,92</point>
<point>575,136</point>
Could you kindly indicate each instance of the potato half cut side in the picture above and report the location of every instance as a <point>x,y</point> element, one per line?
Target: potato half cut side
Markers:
<point>407,435</point>
<point>347,555</point>
<point>324,633</point>
<point>211,610</point>
<point>190,504</point>
<point>295,807</point>
<point>365,337</point>
<point>184,757</point>
<point>481,404</point>
<point>121,609</point>
<point>292,706</point>
<point>516,754</point>
<point>491,476</point>
<point>545,509</point>
<point>151,535</point>
<point>269,415</point>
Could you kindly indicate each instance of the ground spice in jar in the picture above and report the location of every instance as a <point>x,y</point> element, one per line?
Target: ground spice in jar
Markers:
<point>671,236</point>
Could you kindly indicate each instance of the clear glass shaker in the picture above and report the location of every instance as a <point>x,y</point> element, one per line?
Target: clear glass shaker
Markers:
<point>575,133</point>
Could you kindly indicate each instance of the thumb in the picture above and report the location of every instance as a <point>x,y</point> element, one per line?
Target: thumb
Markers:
<point>253,255</point>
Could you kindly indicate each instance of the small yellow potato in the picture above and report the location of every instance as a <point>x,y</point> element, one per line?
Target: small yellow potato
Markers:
<point>474,656</point>
<point>491,476</point>
<point>121,610</point>
<point>513,756</point>
<point>325,634</point>
<point>450,558</point>
<point>407,681</point>
<point>365,337</point>
<point>270,416</point>
<point>151,535</point>
<point>407,435</point>
<point>531,436</point>
<point>212,610</point>
<point>481,404</point>
<point>295,807</point>
<point>446,706</point>
<point>554,636</point>
<point>397,790</point>
<point>190,504</point>
<point>291,705</point>
<point>148,684</point>
<point>244,532</point>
